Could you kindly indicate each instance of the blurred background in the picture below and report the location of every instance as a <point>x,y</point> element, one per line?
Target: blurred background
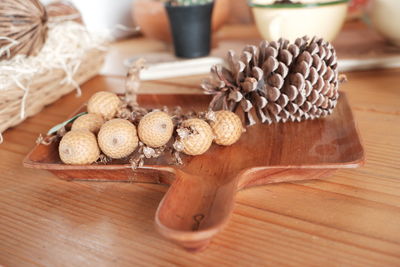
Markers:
<point>364,32</point>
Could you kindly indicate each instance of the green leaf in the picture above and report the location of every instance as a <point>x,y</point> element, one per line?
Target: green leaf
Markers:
<point>63,124</point>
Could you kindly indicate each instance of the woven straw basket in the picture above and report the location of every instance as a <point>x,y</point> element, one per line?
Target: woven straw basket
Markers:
<point>45,89</point>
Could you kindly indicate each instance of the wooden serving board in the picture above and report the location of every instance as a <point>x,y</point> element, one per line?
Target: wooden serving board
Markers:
<point>202,191</point>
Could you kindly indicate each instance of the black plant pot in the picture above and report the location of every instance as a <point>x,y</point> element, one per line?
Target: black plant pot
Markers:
<point>191,29</point>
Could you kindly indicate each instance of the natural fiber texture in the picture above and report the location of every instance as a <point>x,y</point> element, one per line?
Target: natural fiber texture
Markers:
<point>105,104</point>
<point>23,27</point>
<point>195,136</point>
<point>278,80</point>
<point>132,83</point>
<point>69,57</point>
<point>155,129</point>
<point>227,127</point>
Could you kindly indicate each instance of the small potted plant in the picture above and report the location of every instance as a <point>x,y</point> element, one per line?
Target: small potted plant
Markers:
<point>190,22</point>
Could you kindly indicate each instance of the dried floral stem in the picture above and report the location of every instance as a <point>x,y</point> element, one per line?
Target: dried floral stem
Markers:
<point>49,139</point>
<point>103,159</point>
<point>132,83</point>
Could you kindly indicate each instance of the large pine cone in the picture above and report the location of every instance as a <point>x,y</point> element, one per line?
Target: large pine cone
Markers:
<point>282,81</point>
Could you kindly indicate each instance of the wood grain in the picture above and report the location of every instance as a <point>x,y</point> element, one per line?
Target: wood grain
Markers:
<point>351,218</point>
<point>202,190</point>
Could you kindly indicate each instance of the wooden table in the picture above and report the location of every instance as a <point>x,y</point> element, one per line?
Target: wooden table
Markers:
<point>352,218</point>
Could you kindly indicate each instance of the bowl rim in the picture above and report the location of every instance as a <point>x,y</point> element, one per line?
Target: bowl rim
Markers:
<point>297,5</point>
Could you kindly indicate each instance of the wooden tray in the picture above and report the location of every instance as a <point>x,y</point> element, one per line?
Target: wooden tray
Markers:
<point>201,195</point>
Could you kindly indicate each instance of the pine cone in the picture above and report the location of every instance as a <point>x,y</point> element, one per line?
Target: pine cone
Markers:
<point>282,81</point>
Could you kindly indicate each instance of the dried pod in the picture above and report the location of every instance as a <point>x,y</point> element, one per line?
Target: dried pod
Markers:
<point>198,138</point>
<point>23,27</point>
<point>155,129</point>
<point>117,138</point>
<point>79,147</point>
<point>105,104</point>
<point>227,127</point>
<point>90,122</point>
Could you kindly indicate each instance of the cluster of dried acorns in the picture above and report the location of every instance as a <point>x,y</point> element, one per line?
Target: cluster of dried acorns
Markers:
<point>278,80</point>
<point>111,130</point>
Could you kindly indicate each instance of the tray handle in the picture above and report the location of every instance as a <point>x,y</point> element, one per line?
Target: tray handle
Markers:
<point>195,208</point>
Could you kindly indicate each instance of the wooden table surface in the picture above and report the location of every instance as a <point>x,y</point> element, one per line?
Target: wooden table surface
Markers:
<point>351,218</point>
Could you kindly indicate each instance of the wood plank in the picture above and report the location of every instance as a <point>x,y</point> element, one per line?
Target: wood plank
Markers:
<point>350,219</point>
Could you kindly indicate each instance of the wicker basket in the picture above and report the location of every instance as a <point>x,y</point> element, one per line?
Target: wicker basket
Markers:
<point>45,89</point>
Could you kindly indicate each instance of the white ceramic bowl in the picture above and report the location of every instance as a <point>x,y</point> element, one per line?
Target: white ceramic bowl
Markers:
<point>106,15</point>
<point>385,17</point>
<point>320,18</point>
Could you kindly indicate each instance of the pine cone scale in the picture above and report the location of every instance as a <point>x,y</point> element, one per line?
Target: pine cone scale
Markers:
<point>280,81</point>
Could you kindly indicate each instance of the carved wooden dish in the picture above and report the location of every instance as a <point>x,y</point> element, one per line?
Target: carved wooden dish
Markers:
<point>202,191</point>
